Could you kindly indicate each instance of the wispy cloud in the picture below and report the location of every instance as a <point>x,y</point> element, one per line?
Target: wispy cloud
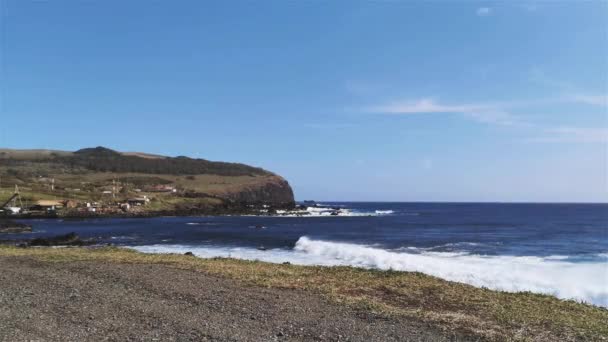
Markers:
<point>571,92</point>
<point>481,112</point>
<point>572,135</point>
<point>489,112</point>
<point>499,113</point>
<point>595,100</point>
<point>426,105</point>
<point>484,11</point>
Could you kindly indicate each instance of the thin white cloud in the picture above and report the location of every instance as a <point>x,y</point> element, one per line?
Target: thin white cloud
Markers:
<point>566,134</point>
<point>594,100</point>
<point>495,116</point>
<point>484,11</point>
<point>499,113</point>
<point>486,113</point>
<point>570,92</point>
<point>426,105</point>
<point>490,112</point>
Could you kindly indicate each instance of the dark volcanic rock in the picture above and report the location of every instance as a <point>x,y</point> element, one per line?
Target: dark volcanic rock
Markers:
<point>70,239</point>
<point>7,226</point>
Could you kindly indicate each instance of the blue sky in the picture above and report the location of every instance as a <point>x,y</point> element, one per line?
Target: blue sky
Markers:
<point>349,100</point>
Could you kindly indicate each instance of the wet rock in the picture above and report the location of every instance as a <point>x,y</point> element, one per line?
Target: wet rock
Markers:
<point>8,226</point>
<point>70,239</point>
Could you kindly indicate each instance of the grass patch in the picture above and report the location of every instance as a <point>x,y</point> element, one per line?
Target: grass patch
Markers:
<point>491,315</point>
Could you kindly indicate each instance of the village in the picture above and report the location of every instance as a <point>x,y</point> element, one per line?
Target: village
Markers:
<point>52,200</point>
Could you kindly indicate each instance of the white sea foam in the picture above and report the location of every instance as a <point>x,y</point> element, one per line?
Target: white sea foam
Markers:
<point>583,281</point>
<point>328,212</point>
<point>121,237</point>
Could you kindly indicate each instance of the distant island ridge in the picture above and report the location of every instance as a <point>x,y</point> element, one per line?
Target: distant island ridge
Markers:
<point>99,181</point>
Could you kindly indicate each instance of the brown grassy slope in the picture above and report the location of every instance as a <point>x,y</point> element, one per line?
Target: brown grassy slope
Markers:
<point>36,154</point>
<point>32,170</point>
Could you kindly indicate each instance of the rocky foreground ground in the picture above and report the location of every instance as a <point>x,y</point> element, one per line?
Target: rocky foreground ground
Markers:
<point>95,293</point>
<point>96,300</point>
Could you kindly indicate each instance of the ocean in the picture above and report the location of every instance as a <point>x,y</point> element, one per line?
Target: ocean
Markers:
<point>556,249</point>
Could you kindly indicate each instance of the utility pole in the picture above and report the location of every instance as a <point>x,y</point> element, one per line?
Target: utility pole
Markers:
<point>18,196</point>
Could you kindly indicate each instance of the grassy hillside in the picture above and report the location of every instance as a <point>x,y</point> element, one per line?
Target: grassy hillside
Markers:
<point>103,175</point>
<point>104,160</point>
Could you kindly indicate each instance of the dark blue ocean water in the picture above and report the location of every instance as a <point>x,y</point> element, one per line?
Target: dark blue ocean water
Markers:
<point>559,249</point>
<point>579,230</point>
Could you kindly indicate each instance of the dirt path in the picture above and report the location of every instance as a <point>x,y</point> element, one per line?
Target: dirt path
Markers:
<point>91,301</point>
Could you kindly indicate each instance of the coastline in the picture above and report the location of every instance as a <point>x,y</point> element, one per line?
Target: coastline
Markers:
<point>437,307</point>
<point>161,213</point>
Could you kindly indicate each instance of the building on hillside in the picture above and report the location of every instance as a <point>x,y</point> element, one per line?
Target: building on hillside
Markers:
<point>138,201</point>
<point>92,207</point>
<point>47,205</point>
<point>162,188</point>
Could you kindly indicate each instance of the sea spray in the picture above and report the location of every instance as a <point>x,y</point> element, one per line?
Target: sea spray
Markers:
<point>583,281</point>
<point>548,275</point>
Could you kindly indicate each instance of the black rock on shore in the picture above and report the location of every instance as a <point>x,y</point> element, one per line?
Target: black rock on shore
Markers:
<point>8,226</point>
<point>70,239</point>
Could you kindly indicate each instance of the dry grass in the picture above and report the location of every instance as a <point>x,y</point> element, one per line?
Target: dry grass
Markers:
<point>488,314</point>
<point>209,184</point>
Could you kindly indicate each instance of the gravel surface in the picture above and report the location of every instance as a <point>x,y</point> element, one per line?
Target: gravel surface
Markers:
<point>95,301</point>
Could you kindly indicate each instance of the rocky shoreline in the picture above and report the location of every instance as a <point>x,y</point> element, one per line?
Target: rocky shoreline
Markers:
<point>213,211</point>
<point>12,227</point>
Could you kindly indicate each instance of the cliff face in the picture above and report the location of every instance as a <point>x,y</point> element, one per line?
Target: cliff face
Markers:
<point>274,190</point>
<point>111,177</point>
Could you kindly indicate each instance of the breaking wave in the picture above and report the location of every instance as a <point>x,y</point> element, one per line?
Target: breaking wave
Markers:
<point>553,275</point>
<point>549,275</point>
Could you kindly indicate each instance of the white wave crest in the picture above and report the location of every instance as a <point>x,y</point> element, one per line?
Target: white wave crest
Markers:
<point>580,281</point>
<point>325,211</point>
<point>583,281</point>
<point>384,212</point>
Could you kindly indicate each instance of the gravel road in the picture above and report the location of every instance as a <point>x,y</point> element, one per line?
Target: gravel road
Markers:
<point>95,301</point>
